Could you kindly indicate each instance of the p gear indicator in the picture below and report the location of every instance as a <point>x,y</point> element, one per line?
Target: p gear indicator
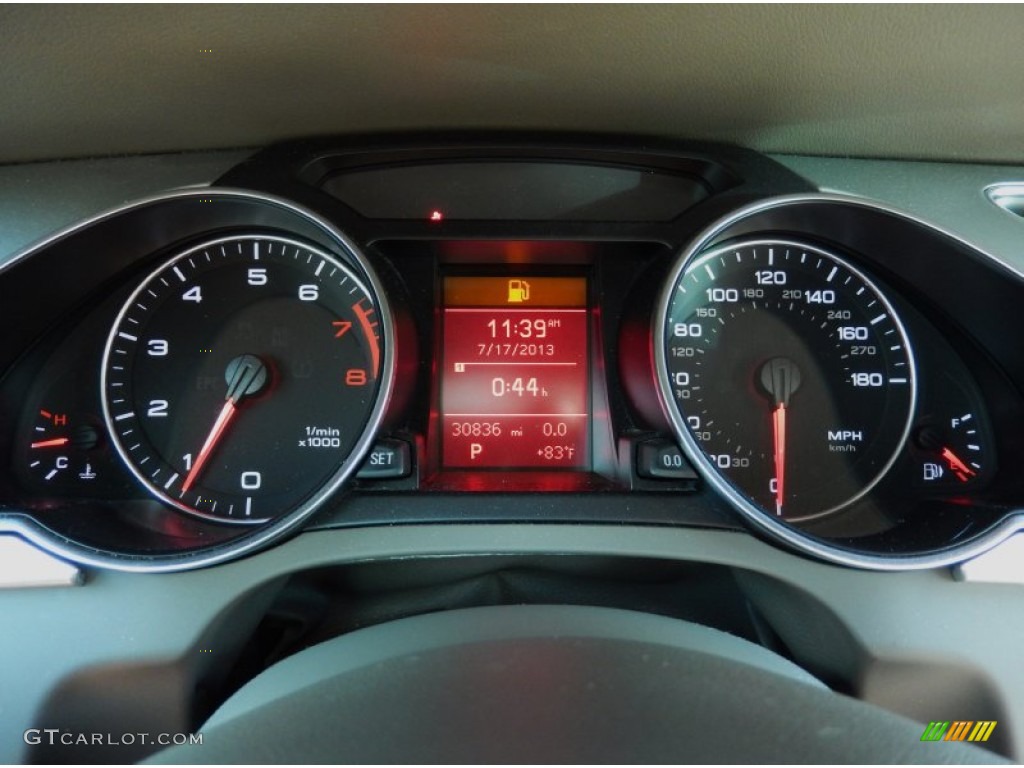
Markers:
<point>514,388</point>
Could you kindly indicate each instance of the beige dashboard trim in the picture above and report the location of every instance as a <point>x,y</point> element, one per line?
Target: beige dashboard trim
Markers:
<point>1003,564</point>
<point>897,81</point>
<point>25,565</point>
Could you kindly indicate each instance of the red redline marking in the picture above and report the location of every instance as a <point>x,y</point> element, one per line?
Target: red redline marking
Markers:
<point>363,316</point>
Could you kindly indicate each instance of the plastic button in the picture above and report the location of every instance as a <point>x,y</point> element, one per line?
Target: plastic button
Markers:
<point>662,459</point>
<point>388,459</point>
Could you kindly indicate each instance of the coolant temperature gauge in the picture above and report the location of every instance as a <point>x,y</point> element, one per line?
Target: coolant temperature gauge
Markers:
<point>61,447</point>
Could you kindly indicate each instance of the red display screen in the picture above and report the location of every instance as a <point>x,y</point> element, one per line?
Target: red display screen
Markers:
<point>515,382</point>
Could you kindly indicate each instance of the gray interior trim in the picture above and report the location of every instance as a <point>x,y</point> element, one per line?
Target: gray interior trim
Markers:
<point>951,196</point>
<point>549,683</point>
<point>1008,196</point>
<point>937,81</point>
<point>475,625</point>
<point>39,198</point>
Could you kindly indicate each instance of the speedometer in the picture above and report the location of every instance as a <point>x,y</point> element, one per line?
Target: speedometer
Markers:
<point>787,374</point>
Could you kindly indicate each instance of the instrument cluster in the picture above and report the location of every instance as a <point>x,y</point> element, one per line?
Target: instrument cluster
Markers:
<point>492,331</point>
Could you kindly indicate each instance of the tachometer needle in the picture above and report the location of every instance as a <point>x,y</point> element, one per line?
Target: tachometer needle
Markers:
<point>246,375</point>
<point>226,413</point>
<point>961,470</point>
<point>779,428</point>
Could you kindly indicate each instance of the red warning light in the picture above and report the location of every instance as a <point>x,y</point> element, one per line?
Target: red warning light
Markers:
<point>436,215</point>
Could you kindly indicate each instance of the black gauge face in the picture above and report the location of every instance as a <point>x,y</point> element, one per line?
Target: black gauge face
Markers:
<point>240,376</point>
<point>788,376</point>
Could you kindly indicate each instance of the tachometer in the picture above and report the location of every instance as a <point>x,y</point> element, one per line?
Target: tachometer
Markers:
<point>787,375</point>
<point>240,376</point>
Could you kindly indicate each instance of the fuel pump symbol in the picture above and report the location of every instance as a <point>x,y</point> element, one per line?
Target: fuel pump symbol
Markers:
<point>518,291</point>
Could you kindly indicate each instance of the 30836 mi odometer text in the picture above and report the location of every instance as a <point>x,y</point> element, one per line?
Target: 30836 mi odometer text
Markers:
<point>789,375</point>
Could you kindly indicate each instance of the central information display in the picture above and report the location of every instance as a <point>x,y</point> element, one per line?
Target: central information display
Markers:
<point>515,380</point>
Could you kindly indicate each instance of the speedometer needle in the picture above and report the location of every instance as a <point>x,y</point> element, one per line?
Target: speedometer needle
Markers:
<point>780,378</point>
<point>245,375</point>
<point>779,428</point>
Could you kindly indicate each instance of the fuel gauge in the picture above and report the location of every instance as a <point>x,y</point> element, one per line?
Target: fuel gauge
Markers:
<point>957,450</point>
<point>60,452</point>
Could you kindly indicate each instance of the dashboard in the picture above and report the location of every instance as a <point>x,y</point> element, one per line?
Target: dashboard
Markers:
<point>528,348</point>
<point>328,326</point>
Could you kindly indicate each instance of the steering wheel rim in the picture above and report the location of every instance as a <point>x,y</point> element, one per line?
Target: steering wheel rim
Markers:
<point>550,684</point>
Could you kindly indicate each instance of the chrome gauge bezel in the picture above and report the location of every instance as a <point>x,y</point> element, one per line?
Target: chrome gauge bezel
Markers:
<point>250,538</point>
<point>707,244</point>
<point>683,431</point>
<point>330,485</point>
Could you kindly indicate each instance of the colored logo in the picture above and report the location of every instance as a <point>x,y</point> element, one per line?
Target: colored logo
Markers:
<point>959,730</point>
